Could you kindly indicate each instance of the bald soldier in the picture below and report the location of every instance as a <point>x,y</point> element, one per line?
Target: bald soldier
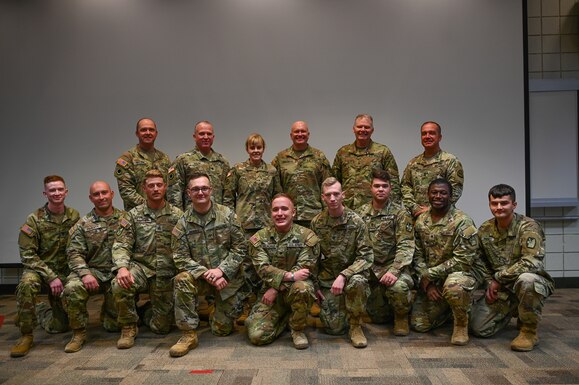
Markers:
<point>200,159</point>
<point>42,243</point>
<point>133,165</point>
<point>90,260</point>
<point>302,169</point>
<point>354,163</point>
<point>431,164</point>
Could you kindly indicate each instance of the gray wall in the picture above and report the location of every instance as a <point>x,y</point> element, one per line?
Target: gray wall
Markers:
<point>75,76</point>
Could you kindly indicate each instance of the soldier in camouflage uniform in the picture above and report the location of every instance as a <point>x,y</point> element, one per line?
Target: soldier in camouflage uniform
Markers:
<point>248,190</point>
<point>132,166</point>
<point>90,260</point>
<point>392,236</point>
<point>42,243</point>
<point>513,247</point>
<point>344,265</point>
<point>354,163</point>
<point>285,257</point>
<point>445,258</point>
<point>302,169</point>
<point>431,164</point>
<point>143,261</point>
<point>201,159</point>
<point>208,248</point>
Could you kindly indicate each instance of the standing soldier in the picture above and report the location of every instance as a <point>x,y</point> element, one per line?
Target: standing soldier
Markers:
<point>208,248</point>
<point>133,165</point>
<point>302,169</point>
<point>284,255</point>
<point>445,258</point>
<point>42,243</point>
<point>513,247</point>
<point>354,163</point>
<point>201,159</point>
<point>392,238</point>
<point>346,258</point>
<point>90,261</point>
<point>431,164</point>
<point>143,262</point>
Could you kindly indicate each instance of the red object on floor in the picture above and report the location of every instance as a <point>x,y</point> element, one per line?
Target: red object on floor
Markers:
<point>206,371</point>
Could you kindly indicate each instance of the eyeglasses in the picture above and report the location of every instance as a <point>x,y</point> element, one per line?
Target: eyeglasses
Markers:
<point>203,189</point>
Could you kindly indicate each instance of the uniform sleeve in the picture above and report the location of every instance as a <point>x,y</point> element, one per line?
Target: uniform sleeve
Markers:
<point>532,244</point>
<point>276,184</point>
<point>407,189</point>
<point>419,259</point>
<point>405,243</point>
<point>127,183</point>
<point>326,170</point>
<point>230,188</point>
<point>465,250</point>
<point>124,243</point>
<point>455,175</point>
<point>176,176</point>
<point>76,250</point>
<point>364,253</point>
<point>269,274</point>
<point>182,253</point>
<point>337,167</point>
<point>29,244</point>
<point>389,164</point>
<point>237,251</point>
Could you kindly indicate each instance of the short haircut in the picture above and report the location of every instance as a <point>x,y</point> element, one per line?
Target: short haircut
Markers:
<point>439,129</point>
<point>441,181</point>
<point>378,173</point>
<point>154,173</point>
<point>140,120</point>
<point>367,116</point>
<point>202,121</point>
<point>282,195</point>
<point>53,178</point>
<point>500,190</point>
<point>197,175</point>
<point>254,139</point>
<point>330,181</point>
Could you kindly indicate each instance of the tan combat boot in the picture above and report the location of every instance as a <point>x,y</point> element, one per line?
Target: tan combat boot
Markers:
<point>401,324</point>
<point>22,347</point>
<point>460,330</point>
<point>187,342</point>
<point>527,338</point>
<point>128,334</point>
<point>315,310</point>
<point>78,339</point>
<point>357,336</point>
<point>299,339</point>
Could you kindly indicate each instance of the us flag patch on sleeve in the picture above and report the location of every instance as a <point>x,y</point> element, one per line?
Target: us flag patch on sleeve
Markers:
<point>27,230</point>
<point>122,162</point>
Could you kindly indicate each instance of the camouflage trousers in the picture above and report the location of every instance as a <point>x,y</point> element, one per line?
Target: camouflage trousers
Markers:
<point>53,318</point>
<point>160,291</point>
<point>526,296</point>
<point>339,312</point>
<point>266,322</point>
<point>457,296</point>
<point>76,296</point>
<point>384,301</point>
<point>221,318</point>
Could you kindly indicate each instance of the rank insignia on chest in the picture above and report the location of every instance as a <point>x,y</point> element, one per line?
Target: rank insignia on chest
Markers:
<point>531,242</point>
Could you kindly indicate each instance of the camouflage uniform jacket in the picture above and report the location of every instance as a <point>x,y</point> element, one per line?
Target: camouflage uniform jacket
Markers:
<point>90,245</point>
<point>301,175</point>
<point>274,254</point>
<point>209,241</point>
<point>214,165</point>
<point>144,238</point>
<point>345,246</point>
<point>392,236</point>
<point>521,249</point>
<point>131,169</point>
<point>42,243</point>
<point>353,168</point>
<point>248,190</point>
<point>420,171</point>
<point>447,246</point>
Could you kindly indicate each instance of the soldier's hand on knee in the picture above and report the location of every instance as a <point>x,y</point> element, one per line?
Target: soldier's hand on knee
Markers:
<point>125,278</point>
<point>269,296</point>
<point>301,275</point>
<point>90,282</point>
<point>433,293</point>
<point>338,285</point>
<point>56,287</point>
<point>388,279</point>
